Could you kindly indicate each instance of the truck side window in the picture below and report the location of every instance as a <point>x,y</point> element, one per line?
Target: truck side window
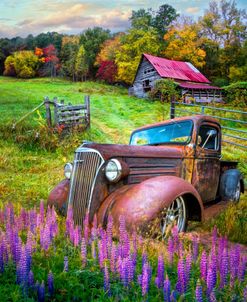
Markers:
<point>208,138</point>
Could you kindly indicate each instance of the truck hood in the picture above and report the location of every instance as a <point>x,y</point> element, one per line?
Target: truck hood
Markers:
<point>113,150</point>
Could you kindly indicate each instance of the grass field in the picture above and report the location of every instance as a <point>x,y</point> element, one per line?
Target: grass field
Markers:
<point>42,258</point>
<point>32,159</point>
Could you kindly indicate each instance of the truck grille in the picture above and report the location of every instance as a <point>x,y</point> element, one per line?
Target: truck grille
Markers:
<point>86,166</point>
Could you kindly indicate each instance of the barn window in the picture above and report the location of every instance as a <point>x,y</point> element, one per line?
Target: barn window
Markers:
<point>146,85</point>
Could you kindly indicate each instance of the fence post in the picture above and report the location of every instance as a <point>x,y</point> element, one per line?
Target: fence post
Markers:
<point>172,111</point>
<point>202,111</point>
<point>87,103</point>
<point>48,112</point>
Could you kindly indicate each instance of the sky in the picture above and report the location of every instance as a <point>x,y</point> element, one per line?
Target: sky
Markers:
<point>23,17</point>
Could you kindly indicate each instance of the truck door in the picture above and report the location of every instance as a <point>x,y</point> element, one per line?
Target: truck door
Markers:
<point>207,161</point>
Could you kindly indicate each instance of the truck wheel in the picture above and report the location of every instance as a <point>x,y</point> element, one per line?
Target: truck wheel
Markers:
<point>230,185</point>
<point>175,214</point>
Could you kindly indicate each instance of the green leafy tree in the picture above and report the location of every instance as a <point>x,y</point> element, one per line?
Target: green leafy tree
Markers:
<point>92,39</point>
<point>81,66</point>
<point>70,46</point>
<point>133,45</point>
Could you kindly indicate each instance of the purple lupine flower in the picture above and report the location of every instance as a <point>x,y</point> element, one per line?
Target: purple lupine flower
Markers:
<point>234,263</point>
<point>131,267</point>
<point>145,279</point>
<point>170,248</point>
<point>94,230</point>
<point>122,228</point>
<point>188,265</point>
<point>211,279</point>
<point>23,269</point>
<point>106,279</point>
<point>167,290</point>
<point>198,294</point>
<point>30,279</point>
<point>50,280</point>
<point>242,268</point>
<point>195,247</point>
<point>41,292</point>
<point>181,282</point>
<point>83,252</point>
<point>175,237</point>
<point>144,258</point>
<point>69,220</point>
<point>66,264</point>
<point>32,221</point>
<point>86,227</point>
<point>42,211</point>
<point>1,256</point>
<point>174,296</point>
<point>224,269</point>
<point>159,280</point>
<point>203,265</point>
<point>114,256</point>
<point>126,246</point>
<point>212,297</point>
<point>77,236</point>
<point>109,235</point>
<point>245,294</point>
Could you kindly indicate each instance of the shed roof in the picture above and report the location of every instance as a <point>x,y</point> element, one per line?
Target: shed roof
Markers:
<point>197,86</point>
<point>176,69</point>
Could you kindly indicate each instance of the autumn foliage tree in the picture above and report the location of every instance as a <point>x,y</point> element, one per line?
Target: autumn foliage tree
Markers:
<point>23,64</point>
<point>184,44</point>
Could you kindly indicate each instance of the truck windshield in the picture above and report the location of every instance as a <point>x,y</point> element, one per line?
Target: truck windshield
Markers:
<point>173,133</point>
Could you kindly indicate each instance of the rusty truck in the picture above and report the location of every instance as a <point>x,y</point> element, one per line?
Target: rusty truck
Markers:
<point>170,172</point>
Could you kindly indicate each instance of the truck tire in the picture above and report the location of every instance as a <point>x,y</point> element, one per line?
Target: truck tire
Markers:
<point>175,215</point>
<point>230,185</point>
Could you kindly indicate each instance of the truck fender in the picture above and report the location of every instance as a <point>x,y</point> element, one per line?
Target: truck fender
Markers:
<point>58,197</point>
<point>230,183</point>
<point>142,203</point>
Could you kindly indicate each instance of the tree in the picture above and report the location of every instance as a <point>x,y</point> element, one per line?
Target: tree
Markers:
<point>70,46</point>
<point>163,18</point>
<point>224,26</point>
<point>105,60</point>
<point>133,45</point>
<point>51,61</point>
<point>92,40</point>
<point>184,44</point>
<point>159,20</point>
<point>81,67</point>
<point>23,64</point>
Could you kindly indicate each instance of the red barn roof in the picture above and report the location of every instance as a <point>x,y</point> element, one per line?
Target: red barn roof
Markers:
<point>176,69</point>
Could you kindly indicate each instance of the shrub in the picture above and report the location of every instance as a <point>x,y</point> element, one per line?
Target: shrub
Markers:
<point>237,93</point>
<point>164,89</point>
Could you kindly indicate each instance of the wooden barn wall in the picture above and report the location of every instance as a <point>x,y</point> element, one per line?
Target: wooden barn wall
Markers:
<point>141,76</point>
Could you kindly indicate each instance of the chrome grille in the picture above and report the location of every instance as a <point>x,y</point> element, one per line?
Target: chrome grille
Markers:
<point>87,163</point>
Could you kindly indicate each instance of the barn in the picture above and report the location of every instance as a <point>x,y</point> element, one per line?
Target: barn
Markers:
<point>192,83</point>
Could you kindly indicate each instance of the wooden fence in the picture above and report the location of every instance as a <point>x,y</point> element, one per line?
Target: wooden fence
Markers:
<point>233,122</point>
<point>67,116</point>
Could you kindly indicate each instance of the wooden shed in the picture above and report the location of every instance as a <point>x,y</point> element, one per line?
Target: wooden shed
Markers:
<point>190,80</point>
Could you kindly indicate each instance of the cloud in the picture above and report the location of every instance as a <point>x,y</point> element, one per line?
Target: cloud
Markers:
<point>193,10</point>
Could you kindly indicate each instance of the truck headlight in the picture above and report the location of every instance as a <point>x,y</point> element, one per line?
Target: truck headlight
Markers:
<point>68,170</point>
<point>113,170</point>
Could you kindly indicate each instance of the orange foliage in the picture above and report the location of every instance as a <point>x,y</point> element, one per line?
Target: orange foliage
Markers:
<point>108,50</point>
<point>38,52</point>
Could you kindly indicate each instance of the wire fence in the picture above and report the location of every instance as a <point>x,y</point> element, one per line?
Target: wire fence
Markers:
<point>233,122</point>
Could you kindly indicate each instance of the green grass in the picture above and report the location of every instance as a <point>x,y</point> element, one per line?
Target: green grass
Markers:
<point>32,158</point>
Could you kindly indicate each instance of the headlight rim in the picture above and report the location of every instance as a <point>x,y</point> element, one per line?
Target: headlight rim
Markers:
<point>119,170</point>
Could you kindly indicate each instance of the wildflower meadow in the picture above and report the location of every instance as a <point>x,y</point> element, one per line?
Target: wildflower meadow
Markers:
<point>47,258</point>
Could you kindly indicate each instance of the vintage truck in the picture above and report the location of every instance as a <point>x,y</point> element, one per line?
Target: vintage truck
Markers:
<point>169,173</point>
